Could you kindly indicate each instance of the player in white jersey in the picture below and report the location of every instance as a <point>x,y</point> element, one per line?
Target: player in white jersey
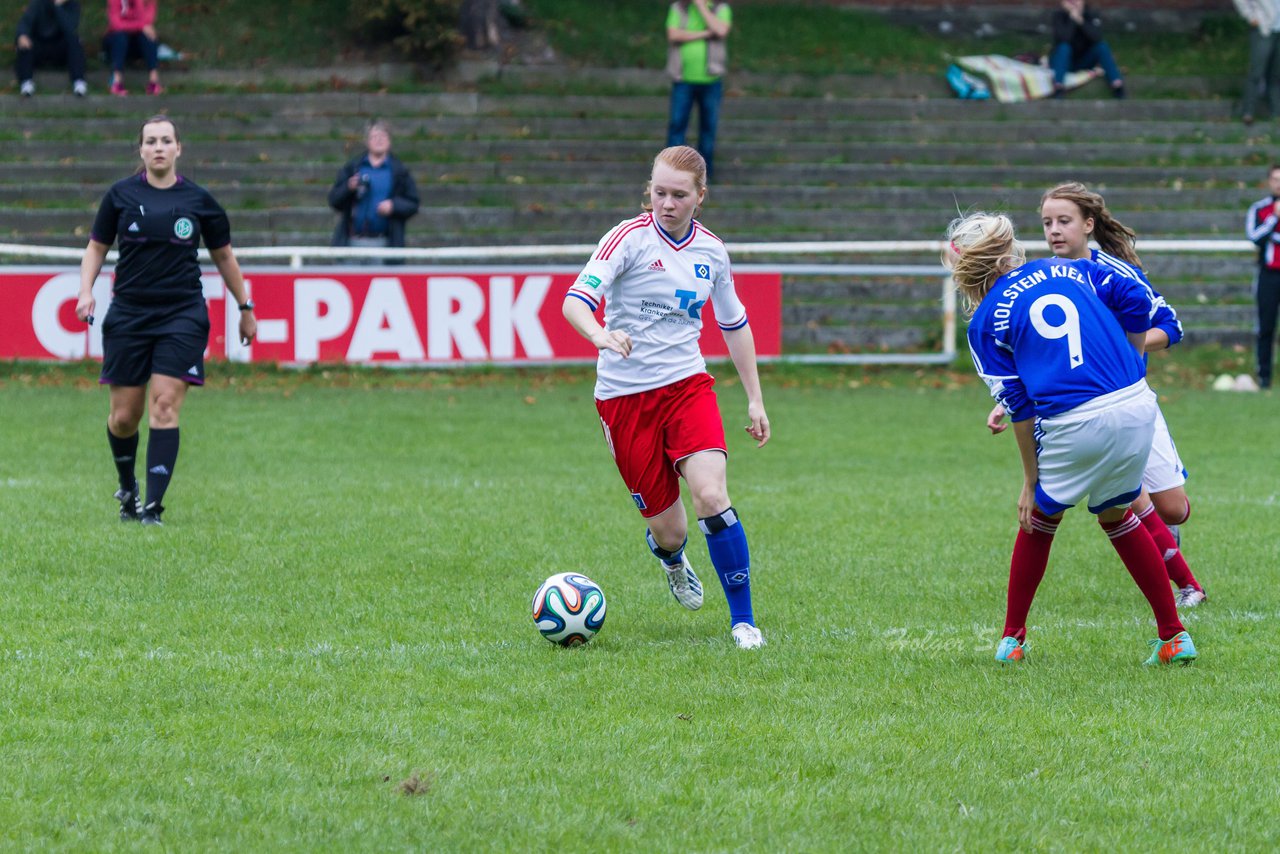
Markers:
<point>1059,343</point>
<point>1072,215</point>
<point>656,275</point>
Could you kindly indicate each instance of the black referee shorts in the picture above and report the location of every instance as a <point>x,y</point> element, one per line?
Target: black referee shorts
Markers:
<point>141,340</point>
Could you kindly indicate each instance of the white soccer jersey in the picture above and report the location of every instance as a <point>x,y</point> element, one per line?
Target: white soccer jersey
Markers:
<point>654,288</point>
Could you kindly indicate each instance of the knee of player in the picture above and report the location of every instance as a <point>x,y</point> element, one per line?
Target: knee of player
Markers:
<point>669,533</point>
<point>164,411</point>
<point>123,421</point>
<point>1172,506</point>
<point>709,499</point>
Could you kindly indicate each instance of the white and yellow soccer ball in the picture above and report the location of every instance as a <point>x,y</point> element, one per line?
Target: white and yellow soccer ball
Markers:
<point>569,609</point>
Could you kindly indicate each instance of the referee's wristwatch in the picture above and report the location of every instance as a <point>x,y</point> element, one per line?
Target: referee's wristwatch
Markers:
<point>246,306</point>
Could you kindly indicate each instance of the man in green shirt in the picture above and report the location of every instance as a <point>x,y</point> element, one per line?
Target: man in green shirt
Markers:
<point>697,32</point>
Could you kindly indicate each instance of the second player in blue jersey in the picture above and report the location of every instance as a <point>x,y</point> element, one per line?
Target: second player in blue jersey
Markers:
<point>1059,343</point>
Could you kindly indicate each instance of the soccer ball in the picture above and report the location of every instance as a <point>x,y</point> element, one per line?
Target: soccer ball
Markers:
<point>568,608</point>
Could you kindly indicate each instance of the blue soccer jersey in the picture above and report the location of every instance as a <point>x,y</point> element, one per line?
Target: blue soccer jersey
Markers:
<point>1162,314</point>
<point>1050,335</point>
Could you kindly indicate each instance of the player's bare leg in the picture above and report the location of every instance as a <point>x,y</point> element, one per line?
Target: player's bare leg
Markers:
<point>726,541</point>
<point>667,537</point>
<point>1155,510</point>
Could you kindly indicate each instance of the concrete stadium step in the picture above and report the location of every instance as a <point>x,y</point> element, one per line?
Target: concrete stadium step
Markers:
<point>188,109</point>
<point>928,200</point>
<point>1234,267</point>
<point>743,153</point>
<point>96,175</point>
<point>842,128</point>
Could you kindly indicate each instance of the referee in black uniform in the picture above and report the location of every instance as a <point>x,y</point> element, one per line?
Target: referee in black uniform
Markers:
<point>156,331</point>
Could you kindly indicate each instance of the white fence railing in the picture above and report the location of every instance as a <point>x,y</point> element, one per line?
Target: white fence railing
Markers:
<point>296,256</point>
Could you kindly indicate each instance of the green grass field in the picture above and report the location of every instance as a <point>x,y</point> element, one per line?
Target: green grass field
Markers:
<point>329,644</point>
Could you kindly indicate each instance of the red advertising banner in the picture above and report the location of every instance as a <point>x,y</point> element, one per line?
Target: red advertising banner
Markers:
<point>389,316</point>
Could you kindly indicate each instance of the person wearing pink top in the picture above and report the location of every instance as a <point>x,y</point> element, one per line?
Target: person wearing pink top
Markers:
<point>131,31</point>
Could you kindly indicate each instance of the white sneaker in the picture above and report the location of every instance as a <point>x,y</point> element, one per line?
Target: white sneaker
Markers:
<point>1188,597</point>
<point>80,88</point>
<point>747,636</point>
<point>27,89</point>
<point>684,584</point>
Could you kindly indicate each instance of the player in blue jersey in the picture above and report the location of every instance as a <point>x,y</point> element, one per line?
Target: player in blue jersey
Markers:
<point>656,275</point>
<point>157,328</point>
<point>1071,215</point>
<point>1059,343</point>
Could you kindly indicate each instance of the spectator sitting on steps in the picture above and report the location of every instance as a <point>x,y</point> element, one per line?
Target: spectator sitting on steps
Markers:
<point>131,30</point>
<point>1078,45</point>
<point>49,34</point>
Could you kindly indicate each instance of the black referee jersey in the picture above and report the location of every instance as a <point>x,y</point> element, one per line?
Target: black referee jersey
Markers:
<point>159,231</point>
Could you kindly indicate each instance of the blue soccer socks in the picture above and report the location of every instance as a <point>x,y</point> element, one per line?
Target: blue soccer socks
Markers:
<point>727,543</point>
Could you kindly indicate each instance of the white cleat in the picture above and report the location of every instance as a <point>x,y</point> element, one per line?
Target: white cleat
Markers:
<point>684,584</point>
<point>747,636</point>
<point>1188,597</point>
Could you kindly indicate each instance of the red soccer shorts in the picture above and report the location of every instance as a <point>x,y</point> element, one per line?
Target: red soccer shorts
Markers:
<point>650,431</point>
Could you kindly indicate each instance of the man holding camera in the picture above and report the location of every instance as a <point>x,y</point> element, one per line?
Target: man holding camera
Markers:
<point>375,195</point>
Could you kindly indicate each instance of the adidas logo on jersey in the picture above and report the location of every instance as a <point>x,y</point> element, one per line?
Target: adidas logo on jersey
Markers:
<point>134,227</point>
<point>657,265</point>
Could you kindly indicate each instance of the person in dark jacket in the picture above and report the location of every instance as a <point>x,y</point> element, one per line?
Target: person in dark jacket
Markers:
<point>1260,226</point>
<point>375,195</point>
<point>1078,46</point>
<point>49,34</point>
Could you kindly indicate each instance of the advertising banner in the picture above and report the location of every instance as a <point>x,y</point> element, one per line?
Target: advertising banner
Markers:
<point>400,316</point>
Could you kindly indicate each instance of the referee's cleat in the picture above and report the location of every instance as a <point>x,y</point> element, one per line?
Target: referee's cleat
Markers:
<point>1010,651</point>
<point>1189,596</point>
<point>1176,650</point>
<point>130,504</point>
<point>28,88</point>
<point>151,514</point>
<point>684,583</point>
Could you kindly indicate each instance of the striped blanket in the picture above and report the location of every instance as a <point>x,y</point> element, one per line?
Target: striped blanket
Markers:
<point>1012,81</point>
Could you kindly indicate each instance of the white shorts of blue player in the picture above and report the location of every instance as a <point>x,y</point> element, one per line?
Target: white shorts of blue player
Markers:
<point>1165,470</point>
<point>1096,451</point>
